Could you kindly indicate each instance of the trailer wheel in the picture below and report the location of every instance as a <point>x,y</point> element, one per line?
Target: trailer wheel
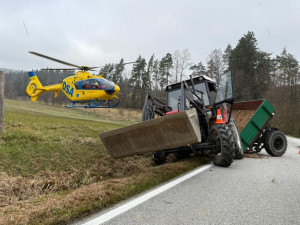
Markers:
<point>159,157</point>
<point>238,148</point>
<point>223,138</point>
<point>275,143</point>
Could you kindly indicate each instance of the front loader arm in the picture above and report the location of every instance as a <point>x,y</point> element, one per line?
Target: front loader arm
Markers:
<point>154,106</point>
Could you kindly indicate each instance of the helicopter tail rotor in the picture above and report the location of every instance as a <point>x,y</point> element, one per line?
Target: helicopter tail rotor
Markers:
<point>34,88</point>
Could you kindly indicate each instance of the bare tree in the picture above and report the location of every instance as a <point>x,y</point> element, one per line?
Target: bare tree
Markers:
<point>215,64</point>
<point>176,64</point>
<point>185,62</point>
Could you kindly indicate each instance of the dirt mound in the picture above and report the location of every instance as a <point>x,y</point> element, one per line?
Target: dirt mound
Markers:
<point>254,156</point>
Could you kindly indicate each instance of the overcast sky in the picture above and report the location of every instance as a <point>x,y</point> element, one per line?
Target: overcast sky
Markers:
<point>97,32</point>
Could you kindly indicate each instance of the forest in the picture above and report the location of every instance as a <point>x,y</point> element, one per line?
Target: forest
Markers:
<point>257,75</point>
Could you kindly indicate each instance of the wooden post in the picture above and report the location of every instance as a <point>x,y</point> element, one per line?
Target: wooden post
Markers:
<point>2,78</point>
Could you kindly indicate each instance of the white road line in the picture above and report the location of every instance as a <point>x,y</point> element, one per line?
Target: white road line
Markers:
<point>135,202</point>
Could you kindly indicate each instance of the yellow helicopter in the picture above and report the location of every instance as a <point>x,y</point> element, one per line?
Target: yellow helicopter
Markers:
<point>82,87</point>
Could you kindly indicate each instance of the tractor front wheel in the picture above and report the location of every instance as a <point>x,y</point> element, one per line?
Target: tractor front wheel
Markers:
<point>224,141</point>
<point>275,143</point>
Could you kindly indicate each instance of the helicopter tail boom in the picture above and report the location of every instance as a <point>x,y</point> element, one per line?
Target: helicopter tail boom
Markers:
<point>35,88</point>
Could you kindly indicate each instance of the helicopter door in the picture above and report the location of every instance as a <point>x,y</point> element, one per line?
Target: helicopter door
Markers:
<point>89,92</point>
<point>86,85</point>
<point>95,84</point>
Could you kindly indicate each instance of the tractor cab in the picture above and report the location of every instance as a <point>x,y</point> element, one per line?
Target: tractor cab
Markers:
<point>202,93</point>
<point>205,88</point>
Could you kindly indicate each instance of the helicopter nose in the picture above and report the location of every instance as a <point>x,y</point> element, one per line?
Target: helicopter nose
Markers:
<point>113,91</point>
<point>117,89</point>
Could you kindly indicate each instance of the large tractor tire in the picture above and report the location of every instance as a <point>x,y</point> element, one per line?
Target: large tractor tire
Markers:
<point>275,143</point>
<point>223,137</point>
<point>238,148</point>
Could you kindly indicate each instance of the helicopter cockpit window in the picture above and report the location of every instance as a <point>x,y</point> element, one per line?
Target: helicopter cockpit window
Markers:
<point>86,84</point>
<point>95,84</point>
<point>76,84</point>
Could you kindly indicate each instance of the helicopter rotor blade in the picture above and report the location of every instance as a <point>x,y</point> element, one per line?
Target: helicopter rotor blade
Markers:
<point>128,63</point>
<point>89,68</point>
<point>53,59</point>
<point>59,69</point>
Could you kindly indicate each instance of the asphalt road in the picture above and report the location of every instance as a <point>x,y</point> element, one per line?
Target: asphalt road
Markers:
<point>250,191</point>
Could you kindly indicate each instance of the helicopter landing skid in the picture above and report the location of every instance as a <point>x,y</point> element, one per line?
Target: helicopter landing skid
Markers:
<point>94,104</point>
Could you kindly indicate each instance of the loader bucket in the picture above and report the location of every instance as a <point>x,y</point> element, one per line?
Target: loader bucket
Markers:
<point>171,131</point>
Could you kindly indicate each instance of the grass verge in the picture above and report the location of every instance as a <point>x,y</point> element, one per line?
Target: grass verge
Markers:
<point>54,168</point>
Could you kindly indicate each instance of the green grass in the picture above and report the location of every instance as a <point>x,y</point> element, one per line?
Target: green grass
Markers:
<point>55,168</point>
<point>57,111</point>
<point>34,140</point>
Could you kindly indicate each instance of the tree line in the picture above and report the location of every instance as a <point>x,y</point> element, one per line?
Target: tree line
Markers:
<point>257,75</point>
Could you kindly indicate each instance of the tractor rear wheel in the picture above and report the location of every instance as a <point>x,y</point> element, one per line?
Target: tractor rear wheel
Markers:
<point>224,140</point>
<point>238,148</point>
<point>275,143</point>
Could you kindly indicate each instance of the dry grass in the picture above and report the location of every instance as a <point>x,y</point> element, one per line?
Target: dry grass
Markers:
<point>117,113</point>
<point>14,189</point>
<point>46,206</point>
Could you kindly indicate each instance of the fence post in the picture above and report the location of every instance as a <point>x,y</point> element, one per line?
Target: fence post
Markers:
<point>2,78</point>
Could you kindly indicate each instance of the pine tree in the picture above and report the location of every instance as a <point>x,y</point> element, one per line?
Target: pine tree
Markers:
<point>165,65</point>
<point>146,79</point>
<point>226,56</point>
<point>198,69</point>
<point>243,61</point>
<point>252,68</point>
<point>118,70</point>
<point>136,81</point>
<point>156,74</point>
<point>262,77</point>
<point>288,69</point>
<point>107,70</point>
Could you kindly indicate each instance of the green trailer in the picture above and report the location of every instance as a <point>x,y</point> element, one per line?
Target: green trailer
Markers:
<point>256,132</point>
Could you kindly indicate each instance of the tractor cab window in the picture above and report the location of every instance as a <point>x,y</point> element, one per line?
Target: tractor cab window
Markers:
<point>224,89</point>
<point>201,88</point>
<point>86,84</point>
<point>173,98</point>
<point>95,84</point>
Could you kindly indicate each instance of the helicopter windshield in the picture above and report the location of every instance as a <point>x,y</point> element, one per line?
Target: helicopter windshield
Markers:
<point>106,84</point>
